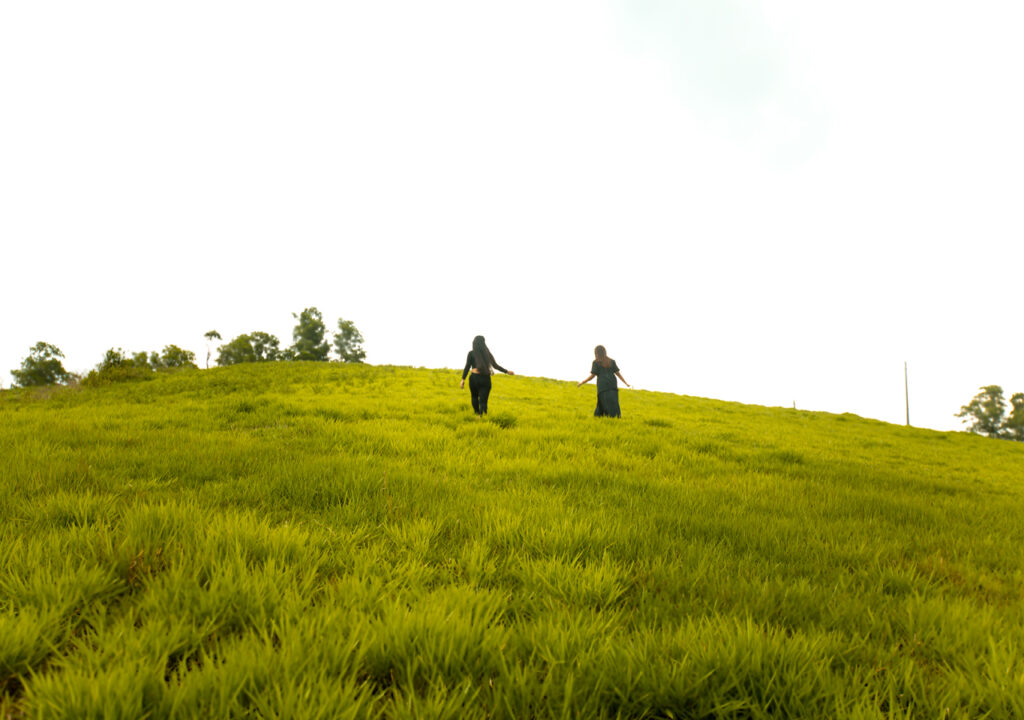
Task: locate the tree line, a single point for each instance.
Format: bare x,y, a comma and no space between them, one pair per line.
43,364
987,414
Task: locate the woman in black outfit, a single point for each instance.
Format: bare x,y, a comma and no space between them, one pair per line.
479,362
605,370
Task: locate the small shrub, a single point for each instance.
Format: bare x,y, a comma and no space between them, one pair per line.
117,374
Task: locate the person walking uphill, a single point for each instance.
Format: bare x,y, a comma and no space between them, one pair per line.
605,370
479,362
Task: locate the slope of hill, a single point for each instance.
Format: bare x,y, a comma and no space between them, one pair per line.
302,540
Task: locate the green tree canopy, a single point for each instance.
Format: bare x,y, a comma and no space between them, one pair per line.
249,347
265,346
144,360
985,413
118,366
41,367
113,358
1014,424
308,336
174,357
348,342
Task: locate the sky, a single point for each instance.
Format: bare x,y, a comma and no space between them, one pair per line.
775,203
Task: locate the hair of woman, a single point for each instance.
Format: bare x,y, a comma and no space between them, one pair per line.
601,355
482,356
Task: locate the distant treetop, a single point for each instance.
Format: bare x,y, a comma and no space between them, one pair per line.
41,367
348,342
986,414
308,336
256,346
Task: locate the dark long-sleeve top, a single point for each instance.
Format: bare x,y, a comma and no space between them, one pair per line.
471,365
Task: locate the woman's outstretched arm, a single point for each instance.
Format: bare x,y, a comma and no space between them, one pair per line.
623,380
590,377
499,367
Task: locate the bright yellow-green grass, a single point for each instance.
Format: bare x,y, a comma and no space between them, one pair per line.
299,540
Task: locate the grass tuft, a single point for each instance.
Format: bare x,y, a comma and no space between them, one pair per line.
503,420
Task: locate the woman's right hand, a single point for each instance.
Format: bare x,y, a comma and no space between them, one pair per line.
462,384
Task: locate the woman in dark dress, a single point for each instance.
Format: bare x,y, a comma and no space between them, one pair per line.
478,366
605,370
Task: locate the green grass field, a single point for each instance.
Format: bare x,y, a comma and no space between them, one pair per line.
299,540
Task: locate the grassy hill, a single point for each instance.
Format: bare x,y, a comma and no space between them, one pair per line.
302,540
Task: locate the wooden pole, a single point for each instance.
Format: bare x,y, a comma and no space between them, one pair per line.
906,391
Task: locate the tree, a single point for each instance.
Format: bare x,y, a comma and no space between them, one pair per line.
144,360
41,367
348,342
265,346
174,357
985,412
113,358
210,337
117,366
237,351
251,347
1014,424
308,336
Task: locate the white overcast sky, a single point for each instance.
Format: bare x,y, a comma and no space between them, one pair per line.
768,202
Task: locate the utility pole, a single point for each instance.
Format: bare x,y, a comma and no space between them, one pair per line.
906,391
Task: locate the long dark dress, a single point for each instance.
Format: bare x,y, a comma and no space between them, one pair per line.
607,390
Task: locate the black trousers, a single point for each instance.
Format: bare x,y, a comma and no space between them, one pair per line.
479,389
